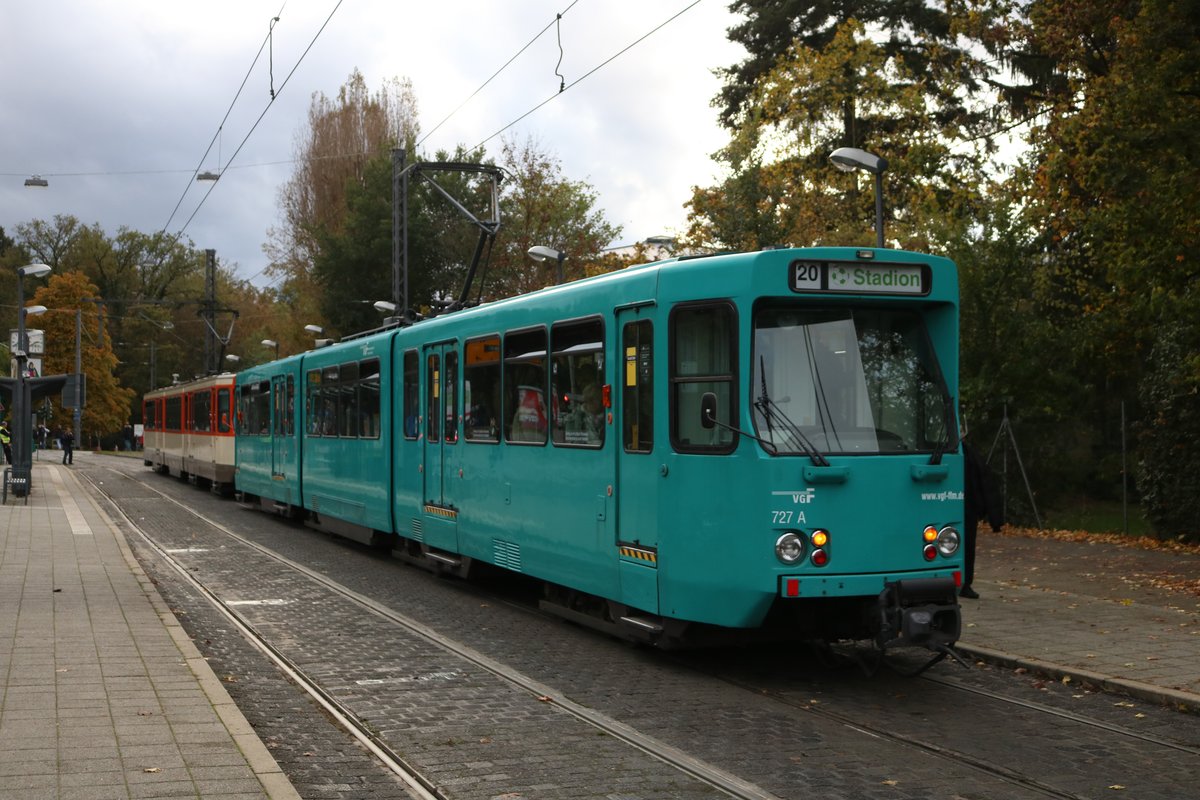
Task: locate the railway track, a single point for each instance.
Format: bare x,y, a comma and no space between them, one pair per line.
950,754
421,787
932,742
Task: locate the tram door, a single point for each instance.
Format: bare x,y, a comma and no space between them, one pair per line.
439,410
282,389
639,478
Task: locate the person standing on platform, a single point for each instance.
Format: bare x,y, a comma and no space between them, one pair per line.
980,503
6,442
68,446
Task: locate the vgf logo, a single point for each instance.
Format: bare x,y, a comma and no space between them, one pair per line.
805,497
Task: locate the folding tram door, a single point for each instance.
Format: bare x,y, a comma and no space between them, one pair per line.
440,441
639,475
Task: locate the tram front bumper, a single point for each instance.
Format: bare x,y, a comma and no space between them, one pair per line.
921,612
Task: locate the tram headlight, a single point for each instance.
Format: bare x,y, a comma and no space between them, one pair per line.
789,548
947,541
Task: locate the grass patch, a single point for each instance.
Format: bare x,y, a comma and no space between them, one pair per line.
1097,516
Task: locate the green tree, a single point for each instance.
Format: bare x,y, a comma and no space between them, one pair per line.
921,38
1169,468
1109,185
851,90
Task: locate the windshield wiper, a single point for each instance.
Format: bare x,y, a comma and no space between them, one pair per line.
945,445
770,410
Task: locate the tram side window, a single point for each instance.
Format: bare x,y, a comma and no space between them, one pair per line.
258,408
703,347
368,399
202,411
449,398
347,394
525,387
576,381
481,390
150,415
243,409
289,418
174,414
223,410
637,400
412,394
312,402
327,409
277,415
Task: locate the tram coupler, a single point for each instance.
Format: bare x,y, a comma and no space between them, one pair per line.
921,612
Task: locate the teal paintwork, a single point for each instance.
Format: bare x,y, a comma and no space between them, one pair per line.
699,529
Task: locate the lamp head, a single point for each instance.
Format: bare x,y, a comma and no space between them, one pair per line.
317,329
384,307
31,311
269,343
33,270
542,253
848,159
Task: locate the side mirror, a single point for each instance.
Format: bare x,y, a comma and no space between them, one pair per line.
708,410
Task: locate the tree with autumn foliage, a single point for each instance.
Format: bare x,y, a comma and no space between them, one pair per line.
1111,190
107,404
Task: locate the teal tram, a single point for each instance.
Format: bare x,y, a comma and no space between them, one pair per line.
697,449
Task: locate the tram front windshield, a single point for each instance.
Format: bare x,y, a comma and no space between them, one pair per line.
847,380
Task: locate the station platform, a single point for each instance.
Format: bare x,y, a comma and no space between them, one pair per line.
102,694
1091,611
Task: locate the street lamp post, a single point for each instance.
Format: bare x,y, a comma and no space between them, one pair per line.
77,412
848,159
22,429
271,343
542,253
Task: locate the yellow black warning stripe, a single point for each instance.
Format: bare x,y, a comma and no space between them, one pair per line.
639,554
439,511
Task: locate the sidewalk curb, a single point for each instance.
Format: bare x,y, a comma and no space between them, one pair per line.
1180,701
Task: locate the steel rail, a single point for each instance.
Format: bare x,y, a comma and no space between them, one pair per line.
417,785
1067,715
667,754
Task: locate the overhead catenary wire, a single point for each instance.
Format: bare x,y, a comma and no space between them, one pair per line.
496,74
221,126
593,70
259,120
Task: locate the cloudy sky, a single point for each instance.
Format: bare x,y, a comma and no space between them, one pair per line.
114,103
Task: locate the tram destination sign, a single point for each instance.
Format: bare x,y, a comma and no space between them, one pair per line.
856,278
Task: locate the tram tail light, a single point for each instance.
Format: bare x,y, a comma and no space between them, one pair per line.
930,552
820,543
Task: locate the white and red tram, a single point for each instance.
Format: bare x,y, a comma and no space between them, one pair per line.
189,430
